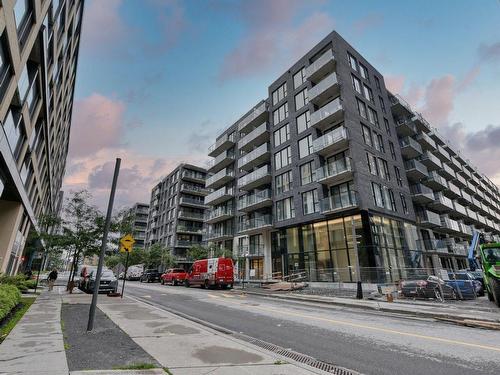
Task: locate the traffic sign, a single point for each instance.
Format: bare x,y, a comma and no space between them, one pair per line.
125,250
126,242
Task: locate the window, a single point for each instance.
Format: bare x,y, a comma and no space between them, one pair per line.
382,104
372,116
301,99
306,173
299,78
279,94
342,195
305,146
20,12
362,109
282,158
356,83
285,209
378,142
377,194
403,203
398,176
367,135
377,82
310,203
280,114
387,127
384,169
368,93
282,135
283,182
352,61
372,164
303,122
363,71
393,152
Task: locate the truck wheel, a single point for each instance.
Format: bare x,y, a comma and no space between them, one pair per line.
186,283
495,289
205,285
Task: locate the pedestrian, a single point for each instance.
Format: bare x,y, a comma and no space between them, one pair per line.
52,278
28,274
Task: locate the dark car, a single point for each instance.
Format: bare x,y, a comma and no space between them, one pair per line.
108,283
478,276
465,284
150,276
430,287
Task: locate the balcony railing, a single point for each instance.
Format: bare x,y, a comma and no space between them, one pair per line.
195,189
337,203
219,234
258,135
421,193
193,175
255,223
187,243
334,171
183,214
220,161
325,142
223,143
415,169
220,178
257,156
254,250
426,142
256,113
188,200
189,229
326,88
219,213
254,199
410,148
319,67
263,173
428,218
328,114
219,195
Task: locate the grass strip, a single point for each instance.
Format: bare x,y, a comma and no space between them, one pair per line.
9,325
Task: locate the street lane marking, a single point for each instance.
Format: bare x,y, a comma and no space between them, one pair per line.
147,296
357,325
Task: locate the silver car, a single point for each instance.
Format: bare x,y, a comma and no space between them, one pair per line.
108,283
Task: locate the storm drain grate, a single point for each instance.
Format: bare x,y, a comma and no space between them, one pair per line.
297,357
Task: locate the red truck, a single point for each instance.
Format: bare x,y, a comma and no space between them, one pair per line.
214,272
173,276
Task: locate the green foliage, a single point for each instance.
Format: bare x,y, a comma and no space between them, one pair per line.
16,316
9,298
135,366
158,255
19,281
202,252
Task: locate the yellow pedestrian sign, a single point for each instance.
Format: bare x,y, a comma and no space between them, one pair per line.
126,243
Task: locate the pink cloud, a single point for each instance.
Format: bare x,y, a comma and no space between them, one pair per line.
97,124
470,77
439,96
369,21
395,83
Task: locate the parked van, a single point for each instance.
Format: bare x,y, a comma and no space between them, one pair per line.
214,272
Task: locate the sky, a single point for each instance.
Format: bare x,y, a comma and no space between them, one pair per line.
158,80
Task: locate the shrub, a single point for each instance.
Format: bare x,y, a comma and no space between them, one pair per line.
30,284
19,281
9,298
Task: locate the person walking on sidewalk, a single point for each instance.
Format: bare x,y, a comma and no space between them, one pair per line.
52,278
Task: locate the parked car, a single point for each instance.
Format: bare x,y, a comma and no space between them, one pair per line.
150,276
135,272
108,282
430,287
465,285
478,276
213,272
174,276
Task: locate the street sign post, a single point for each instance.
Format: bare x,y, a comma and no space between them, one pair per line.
126,244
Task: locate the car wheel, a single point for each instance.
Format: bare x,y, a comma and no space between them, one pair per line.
162,281
186,283
454,295
437,295
175,282
205,285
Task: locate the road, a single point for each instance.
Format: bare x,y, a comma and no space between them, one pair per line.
369,342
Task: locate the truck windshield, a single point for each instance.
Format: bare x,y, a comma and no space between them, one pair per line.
492,255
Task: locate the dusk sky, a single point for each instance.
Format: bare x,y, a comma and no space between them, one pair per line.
157,80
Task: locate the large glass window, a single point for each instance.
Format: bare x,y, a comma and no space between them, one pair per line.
372,116
310,203
367,135
301,99
283,182
299,78
282,135
285,209
343,195
279,94
363,71
282,158
305,146
356,83
367,92
352,61
303,122
20,12
306,173
362,109
280,114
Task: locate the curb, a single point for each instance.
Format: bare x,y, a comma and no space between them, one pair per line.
367,307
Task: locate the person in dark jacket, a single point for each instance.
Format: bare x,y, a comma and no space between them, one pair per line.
52,278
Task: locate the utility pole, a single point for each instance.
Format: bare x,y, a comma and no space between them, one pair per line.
90,325
359,291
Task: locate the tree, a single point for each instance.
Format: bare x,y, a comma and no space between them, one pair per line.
196,252
158,256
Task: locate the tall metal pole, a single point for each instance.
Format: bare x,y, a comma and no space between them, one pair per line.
97,283
359,289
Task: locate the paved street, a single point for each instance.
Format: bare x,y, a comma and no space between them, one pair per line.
369,342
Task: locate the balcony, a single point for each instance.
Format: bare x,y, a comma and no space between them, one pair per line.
415,170
435,181
447,172
333,204
455,164
255,224
421,123
220,178
321,67
193,176
221,161
331,142
428,219
427,143
255,158
220,234
405,127
327,115
460,181
464,198
442,154
256,116
471,216
187,243
465,229
410,148
219,214
191,202
421,194
251,251
459,211
474,203
334,172
225,142
441,203
194,189
255,201
189,229
430,161
256,178
327,88
256,137
449,225
453,191
219,196
188,215
400,106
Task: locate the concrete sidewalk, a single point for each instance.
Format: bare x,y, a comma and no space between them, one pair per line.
465,310
35,346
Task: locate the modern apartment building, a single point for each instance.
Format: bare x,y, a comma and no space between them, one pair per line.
139,217
39,43
321,177
176,210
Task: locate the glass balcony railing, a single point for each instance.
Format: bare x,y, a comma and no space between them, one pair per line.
256,223
327,114
220,233
254,176
253,115
257,133
255,155
225,140
324,88
190,215
219,212
337,203
254,250
189,200
336,136
254,199
187,243
189,229
218,195
333,169
320,65
224,174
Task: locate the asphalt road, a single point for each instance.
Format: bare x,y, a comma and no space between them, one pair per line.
369,342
